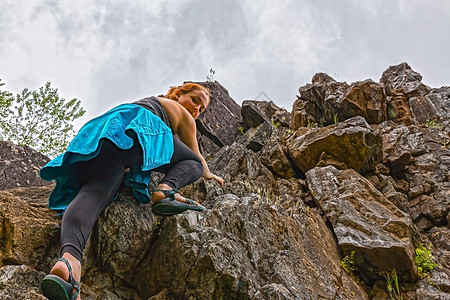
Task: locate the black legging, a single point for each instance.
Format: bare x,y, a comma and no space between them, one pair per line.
100,180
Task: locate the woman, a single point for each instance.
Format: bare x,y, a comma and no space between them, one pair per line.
124,145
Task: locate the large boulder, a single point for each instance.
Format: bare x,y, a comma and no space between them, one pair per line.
20,165
255,112
29,230
363,98
317,101
245,248
402,78
218,125
364,221
351,142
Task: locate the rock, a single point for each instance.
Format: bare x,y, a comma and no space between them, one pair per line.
408,98
351,142
439,100
20,165
255,138
220,121
20,282
401,78
113,246
398,108
363,98
255,112
300,116
317,102
244,249
418,152
436,287
30,233
236,162
273,157
400,143
364,221
394,194
252,115
264,141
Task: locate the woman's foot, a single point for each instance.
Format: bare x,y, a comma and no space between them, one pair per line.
156,195
61,270
168,202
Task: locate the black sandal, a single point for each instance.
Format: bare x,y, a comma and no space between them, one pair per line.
169,206
55,288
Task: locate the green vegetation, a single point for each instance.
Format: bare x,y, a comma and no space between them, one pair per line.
311,124
335,118
39,119
393,288
432,123
348,264
241,129
424,260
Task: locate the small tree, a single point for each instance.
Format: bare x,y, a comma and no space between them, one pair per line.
39,119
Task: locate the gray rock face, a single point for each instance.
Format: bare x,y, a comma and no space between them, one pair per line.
364,221
255,138
20,282
236,162
218,125
404,79
419,153
19,166
351,142
256,112
237,250
29,230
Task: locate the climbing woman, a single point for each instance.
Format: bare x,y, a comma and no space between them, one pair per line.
124,145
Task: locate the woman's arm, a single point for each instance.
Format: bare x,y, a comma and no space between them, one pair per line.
187,132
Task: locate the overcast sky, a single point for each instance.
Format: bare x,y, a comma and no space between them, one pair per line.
110,52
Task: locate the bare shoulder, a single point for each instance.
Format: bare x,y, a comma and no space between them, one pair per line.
178,115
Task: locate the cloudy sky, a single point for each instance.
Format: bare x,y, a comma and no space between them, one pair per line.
109,52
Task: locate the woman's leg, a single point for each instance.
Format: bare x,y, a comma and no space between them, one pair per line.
184,168
100,178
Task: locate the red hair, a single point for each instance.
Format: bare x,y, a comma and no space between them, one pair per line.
177,91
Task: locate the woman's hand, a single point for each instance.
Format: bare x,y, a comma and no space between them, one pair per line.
210,175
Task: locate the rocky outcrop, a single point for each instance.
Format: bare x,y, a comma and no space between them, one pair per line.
357,172
218,125
27,229
255,112
351,143
20,165
366,222
399,96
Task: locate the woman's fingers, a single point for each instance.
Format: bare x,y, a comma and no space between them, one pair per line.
219,180
216,178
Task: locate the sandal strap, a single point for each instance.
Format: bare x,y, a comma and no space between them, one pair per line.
168,193
76,285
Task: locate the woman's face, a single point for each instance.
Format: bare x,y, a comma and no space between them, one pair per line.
195,102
